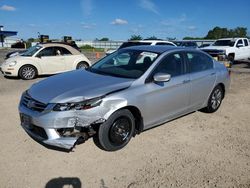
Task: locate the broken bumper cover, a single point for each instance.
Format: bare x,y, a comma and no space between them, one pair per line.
60,142
44,126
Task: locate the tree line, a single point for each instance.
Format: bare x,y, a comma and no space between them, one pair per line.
215,33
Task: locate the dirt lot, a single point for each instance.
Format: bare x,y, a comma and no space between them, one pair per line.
198,150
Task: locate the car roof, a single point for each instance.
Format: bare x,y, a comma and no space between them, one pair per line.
162,49
150,41
155,49
68,47
232,39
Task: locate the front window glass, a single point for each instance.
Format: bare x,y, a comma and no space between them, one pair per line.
31,51
239,42
172,64
49,51
125,63
224,43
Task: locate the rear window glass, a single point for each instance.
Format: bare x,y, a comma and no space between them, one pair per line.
128,44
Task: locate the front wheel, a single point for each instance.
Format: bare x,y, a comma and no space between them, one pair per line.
116,132
27,72
82,65
214,100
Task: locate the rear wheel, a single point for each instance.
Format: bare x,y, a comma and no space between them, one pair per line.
215,100
116,132
27,72
82,65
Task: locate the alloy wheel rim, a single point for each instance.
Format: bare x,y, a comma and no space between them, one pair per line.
28,72
120,131
82,66
216,98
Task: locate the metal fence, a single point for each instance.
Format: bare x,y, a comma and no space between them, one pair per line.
103,44
100,44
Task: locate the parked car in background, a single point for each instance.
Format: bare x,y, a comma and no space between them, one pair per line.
126,92
204,45
143,42
228,50
189,44
46,58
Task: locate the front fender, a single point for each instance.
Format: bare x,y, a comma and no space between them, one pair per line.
113,105
29,62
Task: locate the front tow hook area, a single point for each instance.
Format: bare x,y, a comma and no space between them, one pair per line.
65,143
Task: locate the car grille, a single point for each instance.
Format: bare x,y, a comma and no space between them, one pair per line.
214,53
32,104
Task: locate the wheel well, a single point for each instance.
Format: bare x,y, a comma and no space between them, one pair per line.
231,54
84,62
28,65
138,118
223,88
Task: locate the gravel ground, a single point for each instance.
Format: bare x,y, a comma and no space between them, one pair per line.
197,150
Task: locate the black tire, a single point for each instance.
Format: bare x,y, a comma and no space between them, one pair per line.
214,100
231,59
116,132
27,72
82,65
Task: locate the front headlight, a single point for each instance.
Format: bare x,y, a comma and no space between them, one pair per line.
12,64
84,105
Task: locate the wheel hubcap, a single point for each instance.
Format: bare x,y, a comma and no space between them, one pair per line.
28,72
82,66
120,131
216,98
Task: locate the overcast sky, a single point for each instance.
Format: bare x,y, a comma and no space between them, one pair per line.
118,20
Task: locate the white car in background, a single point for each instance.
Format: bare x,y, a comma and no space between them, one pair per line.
44,59
142,42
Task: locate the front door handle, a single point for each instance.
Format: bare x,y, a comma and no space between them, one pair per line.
213,73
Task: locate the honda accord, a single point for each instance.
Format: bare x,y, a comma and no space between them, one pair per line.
121,95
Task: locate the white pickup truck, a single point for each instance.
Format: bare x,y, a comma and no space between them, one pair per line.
229,50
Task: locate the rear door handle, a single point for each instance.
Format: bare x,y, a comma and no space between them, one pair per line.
213,73
186,81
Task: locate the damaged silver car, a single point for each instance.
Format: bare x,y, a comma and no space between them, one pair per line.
129,91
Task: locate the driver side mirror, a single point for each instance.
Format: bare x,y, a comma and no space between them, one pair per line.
239,45
162,77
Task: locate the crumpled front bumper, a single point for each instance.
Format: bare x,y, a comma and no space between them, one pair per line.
44,126
53,140
51,127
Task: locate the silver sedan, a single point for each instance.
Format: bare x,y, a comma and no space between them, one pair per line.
123,94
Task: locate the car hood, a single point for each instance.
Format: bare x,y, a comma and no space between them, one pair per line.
16,58
76,86
215,48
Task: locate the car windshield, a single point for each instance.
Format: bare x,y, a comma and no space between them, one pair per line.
224,43
31,51
125,63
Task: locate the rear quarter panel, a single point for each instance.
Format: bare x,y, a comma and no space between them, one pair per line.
223,75
77,59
